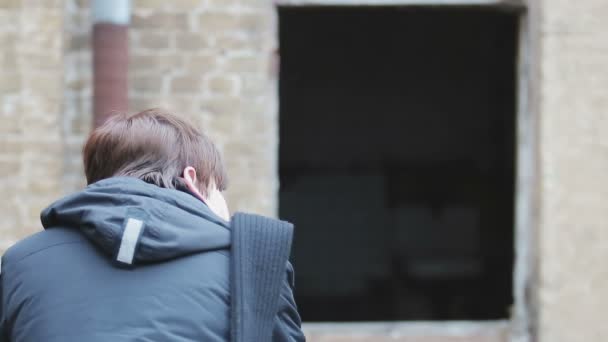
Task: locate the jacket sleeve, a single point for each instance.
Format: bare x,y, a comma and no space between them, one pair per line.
288,325
3,337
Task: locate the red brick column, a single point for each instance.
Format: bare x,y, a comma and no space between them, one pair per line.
110,63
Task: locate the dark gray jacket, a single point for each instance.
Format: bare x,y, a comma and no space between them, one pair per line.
124,260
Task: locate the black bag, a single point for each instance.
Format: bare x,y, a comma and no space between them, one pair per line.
260,251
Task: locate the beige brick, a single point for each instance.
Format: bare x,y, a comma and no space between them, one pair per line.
170,5
9,124
139,103
10,168
222,105
200,64
183,106
147,83
48,4
10,147
41,186
81,124
244,64
186,4
44,83
254,22
221,4
33,127
42,42
7,39
261,168
191,41
79,83
149,4
232,43
79,22
44,22
153,63
160,21
39,61
221,84
254,85
214,22
186,84
8,20
10,82
240,148
153,40
9,205
144,63
46,146
79,42
8,60
10,4
82,3
223,124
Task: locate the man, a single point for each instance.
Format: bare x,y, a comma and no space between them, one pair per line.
146,251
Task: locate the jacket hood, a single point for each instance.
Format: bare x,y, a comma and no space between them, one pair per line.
134,222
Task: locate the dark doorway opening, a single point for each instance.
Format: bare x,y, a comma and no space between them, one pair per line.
396,160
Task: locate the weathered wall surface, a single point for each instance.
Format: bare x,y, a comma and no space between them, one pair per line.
574,165
211,61
31,92
207,61
77,115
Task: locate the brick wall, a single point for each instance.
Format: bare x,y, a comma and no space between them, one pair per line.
77,115
211,62
207,61
31,84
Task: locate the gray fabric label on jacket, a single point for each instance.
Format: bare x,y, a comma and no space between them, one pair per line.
130,237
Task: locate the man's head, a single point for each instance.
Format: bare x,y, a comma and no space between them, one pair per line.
156,147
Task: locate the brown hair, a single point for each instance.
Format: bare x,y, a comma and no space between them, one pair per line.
154,146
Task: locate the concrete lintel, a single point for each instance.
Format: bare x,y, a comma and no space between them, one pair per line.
492,330
499,3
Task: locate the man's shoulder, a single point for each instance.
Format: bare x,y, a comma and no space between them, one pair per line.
39,242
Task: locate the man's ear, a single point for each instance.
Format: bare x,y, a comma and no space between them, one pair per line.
214,200
192,182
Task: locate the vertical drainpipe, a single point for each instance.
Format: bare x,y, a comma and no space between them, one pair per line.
110,57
